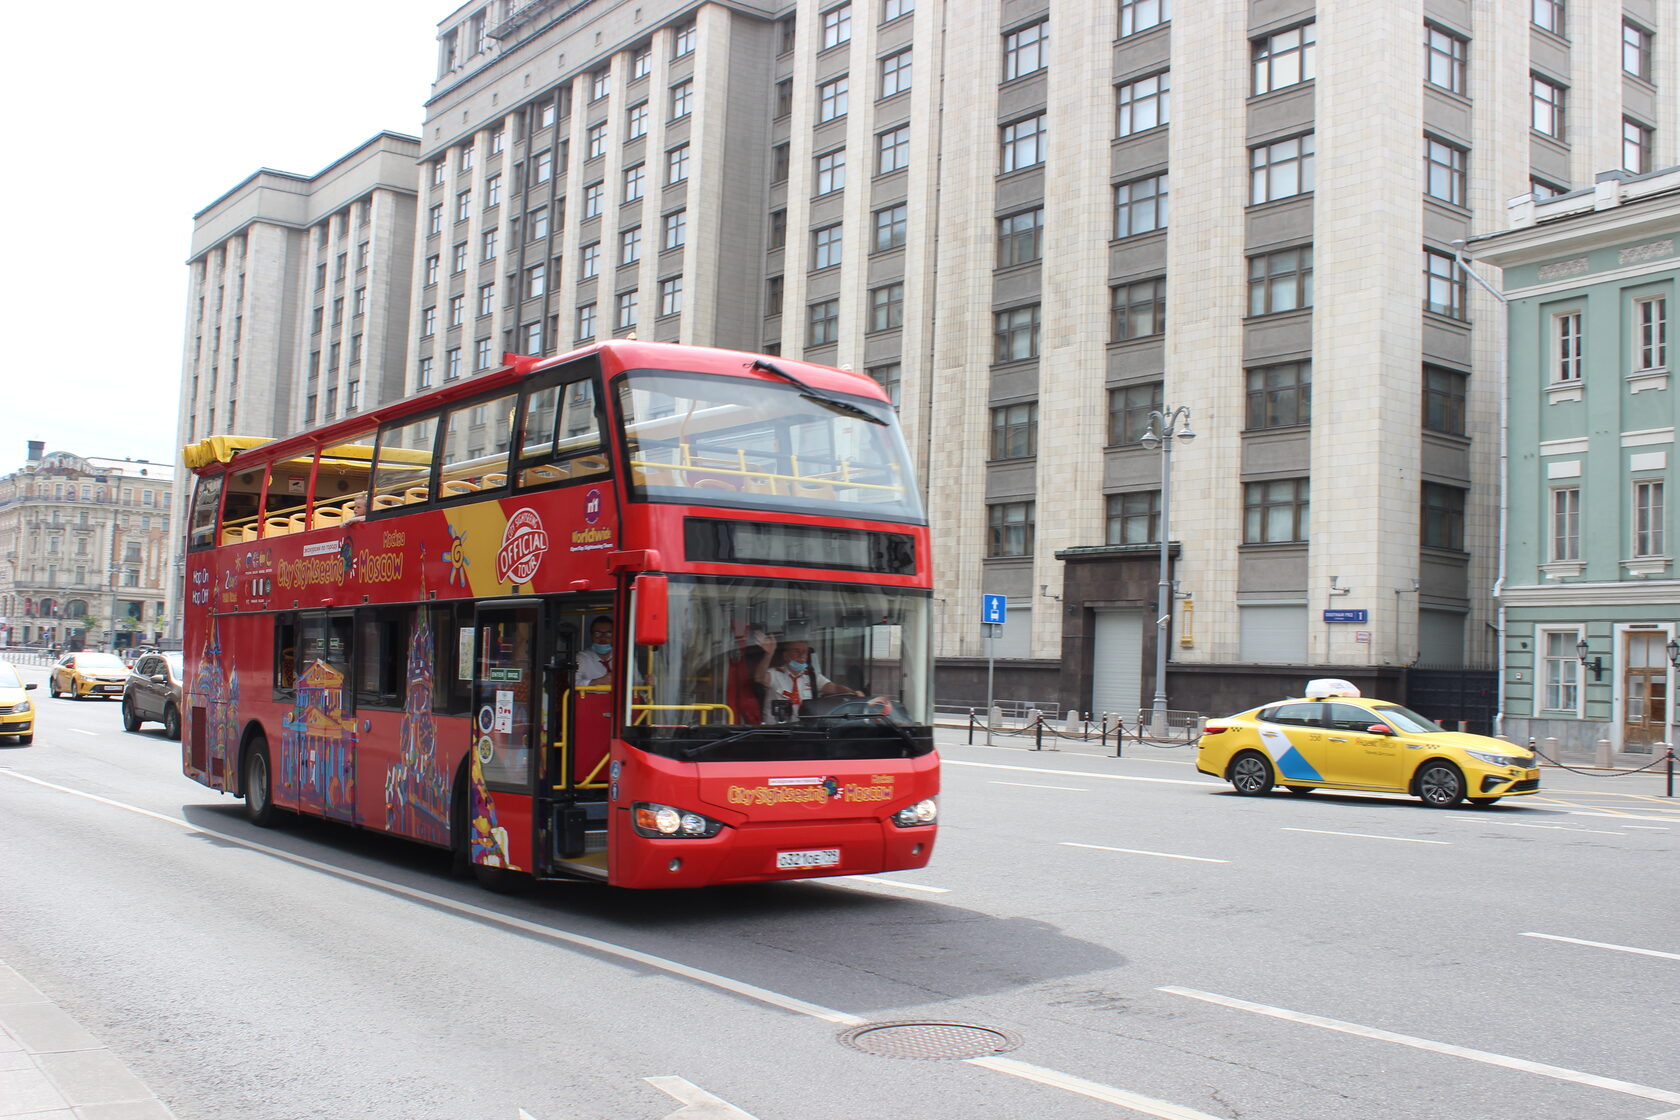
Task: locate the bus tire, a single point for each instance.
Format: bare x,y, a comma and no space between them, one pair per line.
501,880
258,784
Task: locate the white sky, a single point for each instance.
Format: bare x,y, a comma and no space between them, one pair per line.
126,120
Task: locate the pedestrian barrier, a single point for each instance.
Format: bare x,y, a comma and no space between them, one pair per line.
1664,759
1170,729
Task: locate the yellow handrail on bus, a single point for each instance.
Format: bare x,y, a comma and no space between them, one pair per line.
809,480
647,710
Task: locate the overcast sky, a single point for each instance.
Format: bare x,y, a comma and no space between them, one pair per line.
128,119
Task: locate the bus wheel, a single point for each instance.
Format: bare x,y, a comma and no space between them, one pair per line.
259,793
500,880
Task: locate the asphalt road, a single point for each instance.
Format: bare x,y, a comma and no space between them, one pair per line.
1154,944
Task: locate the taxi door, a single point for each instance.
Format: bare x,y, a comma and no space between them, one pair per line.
1353,755
1294,736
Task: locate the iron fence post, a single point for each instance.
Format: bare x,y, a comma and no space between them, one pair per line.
1038,733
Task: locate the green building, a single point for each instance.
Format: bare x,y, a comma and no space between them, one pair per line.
1589,599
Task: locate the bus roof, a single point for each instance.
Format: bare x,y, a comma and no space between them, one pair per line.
617,353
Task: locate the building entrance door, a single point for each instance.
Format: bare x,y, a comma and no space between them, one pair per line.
1645,684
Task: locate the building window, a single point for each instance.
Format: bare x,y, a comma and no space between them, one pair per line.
463,206
543,163
589,261
440,168
488,243
486,299
683,39
895,73
457,310
458,257
492,191
1444,392
432,263
1141,15
1144,104
836,26
1566,346
773,289
676,164
629,309
546,114
1562,671
1281,170
1129,407
1275,512
1009,529
1566,524
482,355
1548,15
822,322
592,195
1015,334
1279,396
1024,143
1443,284
424,377
1026,50
536,225
831,98
831,171
634,176
1636,146
825,246
428,322
452,363
1281,281
1020,237
1015,431
586,322
536,281
1650,325
1444,172
1445,55
434,225
778,229
629,245
1137,310
784,99
595,141
674,231
682,97
1284,58
636,121
641,63
891,225
789,27
1139,207
1548,102
1648,518
888,377
886,307
670,296
1133,518
892,150
1443,517
892,9
533,338
1636,50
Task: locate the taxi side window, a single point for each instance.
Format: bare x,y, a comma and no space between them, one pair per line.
1346,717
1299,715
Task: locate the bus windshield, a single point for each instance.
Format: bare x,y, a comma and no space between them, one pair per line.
759,670
697,438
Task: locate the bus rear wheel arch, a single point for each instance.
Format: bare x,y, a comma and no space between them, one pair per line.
256,780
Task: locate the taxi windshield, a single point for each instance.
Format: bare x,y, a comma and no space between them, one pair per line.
729,441
8,676
97,662
759,669
1404,719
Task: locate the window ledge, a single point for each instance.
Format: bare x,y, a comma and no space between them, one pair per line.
1563,569
1643,566
1561,391
1642,379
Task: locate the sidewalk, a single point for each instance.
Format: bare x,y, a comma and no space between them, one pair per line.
52,1069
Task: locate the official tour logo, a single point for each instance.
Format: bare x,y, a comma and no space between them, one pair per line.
523,544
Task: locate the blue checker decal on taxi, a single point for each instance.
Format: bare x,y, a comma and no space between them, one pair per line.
1292,764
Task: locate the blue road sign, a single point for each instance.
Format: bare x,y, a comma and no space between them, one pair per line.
1347,616
993,609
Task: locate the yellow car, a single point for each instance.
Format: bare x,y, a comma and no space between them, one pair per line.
17,711
88,673
1333,738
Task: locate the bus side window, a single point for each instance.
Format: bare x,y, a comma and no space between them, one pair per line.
562,435
207,500
285,656
452,658
402,471
240,506
341,481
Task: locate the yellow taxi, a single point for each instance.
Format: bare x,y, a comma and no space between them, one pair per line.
17,710
88,673
1334,738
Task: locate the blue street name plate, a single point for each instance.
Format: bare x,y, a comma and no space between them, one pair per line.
1347,616
993,609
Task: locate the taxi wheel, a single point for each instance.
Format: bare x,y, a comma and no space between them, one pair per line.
1251,774
131,718
1439,785
25,740
52,687
1484,802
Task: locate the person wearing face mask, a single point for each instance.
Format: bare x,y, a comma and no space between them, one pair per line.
789,679
594,664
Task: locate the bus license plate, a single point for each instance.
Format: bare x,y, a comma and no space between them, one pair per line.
824,857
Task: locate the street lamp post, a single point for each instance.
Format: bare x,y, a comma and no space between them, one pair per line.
1165,425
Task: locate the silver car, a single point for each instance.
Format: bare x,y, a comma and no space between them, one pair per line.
153,693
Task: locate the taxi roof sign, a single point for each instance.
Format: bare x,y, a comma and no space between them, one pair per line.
1326,687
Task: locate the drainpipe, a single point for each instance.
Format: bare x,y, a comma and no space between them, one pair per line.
1501,342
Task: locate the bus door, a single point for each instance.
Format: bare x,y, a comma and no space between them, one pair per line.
505,688
578,710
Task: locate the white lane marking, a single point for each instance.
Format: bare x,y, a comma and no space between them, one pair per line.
1522,1065
1370,836
697,1103
1034,785
80,731
1140,852
1149,1106
523,1115
1616,816
890,883
1649,827
1606,945
1553,827
1077,773
711,979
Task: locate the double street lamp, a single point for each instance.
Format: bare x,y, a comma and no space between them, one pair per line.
1165,426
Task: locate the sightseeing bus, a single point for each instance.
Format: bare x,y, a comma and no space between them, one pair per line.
650,614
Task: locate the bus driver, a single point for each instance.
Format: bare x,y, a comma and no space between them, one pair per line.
789,679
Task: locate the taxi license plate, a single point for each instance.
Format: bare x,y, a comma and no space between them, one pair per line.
824,857
110,688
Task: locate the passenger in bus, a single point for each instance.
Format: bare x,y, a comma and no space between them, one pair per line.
594,664
790,679
357,510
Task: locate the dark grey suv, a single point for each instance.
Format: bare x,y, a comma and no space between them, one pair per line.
153,692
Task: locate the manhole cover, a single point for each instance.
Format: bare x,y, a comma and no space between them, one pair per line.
923,1038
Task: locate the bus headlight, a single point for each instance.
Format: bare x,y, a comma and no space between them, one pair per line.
922,812
669,822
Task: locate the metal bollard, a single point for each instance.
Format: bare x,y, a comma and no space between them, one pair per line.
971,727
1038,733
1601,750
1670,747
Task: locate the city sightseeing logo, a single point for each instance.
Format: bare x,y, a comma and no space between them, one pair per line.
524,543
592,507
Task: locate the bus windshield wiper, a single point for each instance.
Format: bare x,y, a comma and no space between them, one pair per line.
812,393
699,749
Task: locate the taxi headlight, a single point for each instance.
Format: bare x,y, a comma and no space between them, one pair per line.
23,708
667,822
1495,759
922,812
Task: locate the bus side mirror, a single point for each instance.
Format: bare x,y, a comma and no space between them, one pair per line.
652,602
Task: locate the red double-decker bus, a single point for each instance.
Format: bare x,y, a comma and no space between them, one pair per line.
651,614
